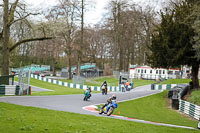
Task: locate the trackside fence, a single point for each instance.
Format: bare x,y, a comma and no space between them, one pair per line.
77,86
190,109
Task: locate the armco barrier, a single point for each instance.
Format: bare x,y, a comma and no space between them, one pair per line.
9,89
185,107
77,86
190,109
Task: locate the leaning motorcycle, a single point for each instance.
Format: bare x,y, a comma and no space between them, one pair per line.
109,109
86,95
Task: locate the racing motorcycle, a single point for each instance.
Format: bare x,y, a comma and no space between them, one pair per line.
86,95
109,109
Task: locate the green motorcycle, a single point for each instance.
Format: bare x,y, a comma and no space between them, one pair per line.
86,95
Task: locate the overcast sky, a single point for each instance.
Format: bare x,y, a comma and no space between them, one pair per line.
95,14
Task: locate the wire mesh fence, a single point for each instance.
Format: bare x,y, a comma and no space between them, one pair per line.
24,81
78,80
117,74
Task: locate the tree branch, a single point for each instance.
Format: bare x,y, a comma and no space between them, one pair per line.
28,40
24,17
12,11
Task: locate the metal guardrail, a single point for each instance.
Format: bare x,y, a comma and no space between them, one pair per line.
190,109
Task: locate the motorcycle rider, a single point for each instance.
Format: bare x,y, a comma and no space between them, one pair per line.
90,91
114,97
104,89
87,92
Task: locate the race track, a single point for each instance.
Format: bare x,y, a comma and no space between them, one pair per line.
75,103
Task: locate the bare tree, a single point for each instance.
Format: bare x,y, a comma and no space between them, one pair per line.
130,27
9,18
117,7
66,14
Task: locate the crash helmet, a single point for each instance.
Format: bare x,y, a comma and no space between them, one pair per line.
114,96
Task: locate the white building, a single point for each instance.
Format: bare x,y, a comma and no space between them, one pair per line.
146,72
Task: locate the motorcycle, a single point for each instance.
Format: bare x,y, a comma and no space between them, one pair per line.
109,109
104,90
86,95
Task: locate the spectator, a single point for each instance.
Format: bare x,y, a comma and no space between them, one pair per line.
127,84
123,87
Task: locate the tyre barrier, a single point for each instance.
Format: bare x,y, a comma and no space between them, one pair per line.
162,87
9,90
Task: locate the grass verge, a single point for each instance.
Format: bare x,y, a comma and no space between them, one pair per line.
110,81
57,89
153,108
85,83
176,81
15,119
195,97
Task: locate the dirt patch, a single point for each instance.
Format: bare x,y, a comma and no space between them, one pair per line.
187,96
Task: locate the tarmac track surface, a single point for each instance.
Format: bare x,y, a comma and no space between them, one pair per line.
75,103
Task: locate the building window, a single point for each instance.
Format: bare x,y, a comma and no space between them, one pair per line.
150,71
138,70
145,71
170,72
142,71
159,71
163,71
156,71
176,72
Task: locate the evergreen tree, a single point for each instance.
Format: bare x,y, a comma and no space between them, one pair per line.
172,40
196,27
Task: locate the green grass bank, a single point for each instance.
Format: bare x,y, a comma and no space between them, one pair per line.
19,119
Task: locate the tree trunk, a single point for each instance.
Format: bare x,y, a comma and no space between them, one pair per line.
82,32
79,66
133,54
128,60
69,66
114,62
121,59
195,71
53,67
6,37
101,62
132,58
